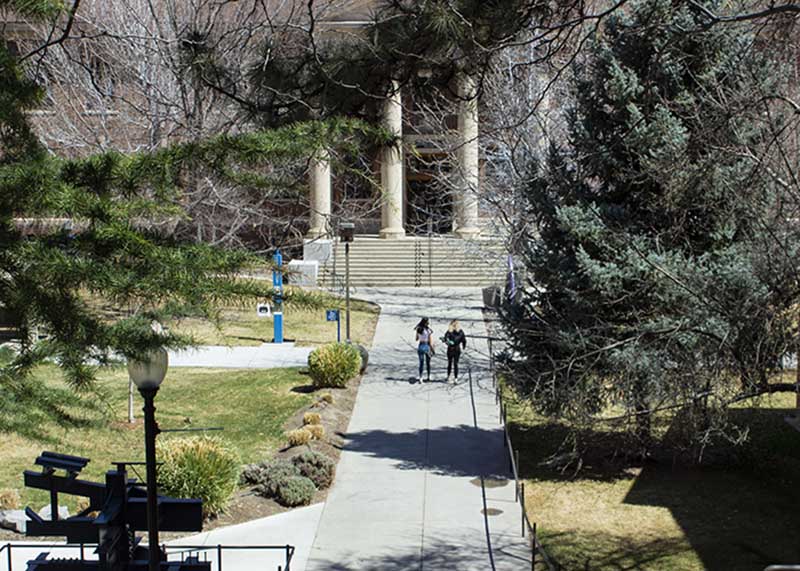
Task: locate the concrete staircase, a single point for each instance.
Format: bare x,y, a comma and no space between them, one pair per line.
417,262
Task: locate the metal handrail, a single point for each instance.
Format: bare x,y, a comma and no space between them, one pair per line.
519,487
173,550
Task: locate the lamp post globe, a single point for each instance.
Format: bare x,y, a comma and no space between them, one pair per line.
148,375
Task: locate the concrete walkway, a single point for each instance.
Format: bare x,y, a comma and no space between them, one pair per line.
296,528
266,356
423,479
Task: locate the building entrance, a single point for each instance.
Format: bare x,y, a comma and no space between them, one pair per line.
429,204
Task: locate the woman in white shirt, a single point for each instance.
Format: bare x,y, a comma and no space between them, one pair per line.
424,340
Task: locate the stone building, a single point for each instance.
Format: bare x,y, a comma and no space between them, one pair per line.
407,204
428,184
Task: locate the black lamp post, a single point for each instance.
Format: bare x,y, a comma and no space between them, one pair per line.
147,376
346,232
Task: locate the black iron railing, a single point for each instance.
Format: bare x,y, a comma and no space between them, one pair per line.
207,553
538,553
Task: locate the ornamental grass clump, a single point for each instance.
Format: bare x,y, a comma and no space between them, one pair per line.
316,467
296,491
333,365
9,499
312,418
317,431
203,468
298,437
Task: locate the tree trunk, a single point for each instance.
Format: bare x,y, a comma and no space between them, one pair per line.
643,421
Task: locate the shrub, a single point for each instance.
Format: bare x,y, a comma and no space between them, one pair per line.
327,397
312,418
333,365
296,491
316,467
317,431
9,499
203,468
273,474
298,437
252,474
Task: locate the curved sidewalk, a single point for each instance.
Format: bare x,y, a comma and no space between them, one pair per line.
265,356
423,481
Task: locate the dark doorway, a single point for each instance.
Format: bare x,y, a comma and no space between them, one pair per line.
429,205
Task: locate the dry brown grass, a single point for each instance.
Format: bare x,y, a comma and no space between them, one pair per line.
317,431
9,499
298,437
661,515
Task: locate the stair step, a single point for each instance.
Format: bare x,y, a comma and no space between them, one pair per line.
417,262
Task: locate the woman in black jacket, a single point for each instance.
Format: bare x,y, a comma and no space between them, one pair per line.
455,341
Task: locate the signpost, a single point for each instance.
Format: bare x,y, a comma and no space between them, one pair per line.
277,284
333,315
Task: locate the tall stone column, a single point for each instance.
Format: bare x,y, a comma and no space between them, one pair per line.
392,168
320,196
466,199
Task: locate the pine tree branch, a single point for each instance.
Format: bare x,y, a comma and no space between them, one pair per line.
64,35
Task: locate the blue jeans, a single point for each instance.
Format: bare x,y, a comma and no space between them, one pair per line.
424,353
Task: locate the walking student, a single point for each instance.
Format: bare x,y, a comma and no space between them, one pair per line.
455,341
424,340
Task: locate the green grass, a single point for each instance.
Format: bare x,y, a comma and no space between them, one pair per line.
250,405
306,326
739,512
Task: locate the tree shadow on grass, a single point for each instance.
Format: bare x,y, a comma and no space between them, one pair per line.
739,513
30,409
545,455
736,512
607,551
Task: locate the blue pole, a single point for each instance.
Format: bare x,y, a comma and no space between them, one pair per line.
338,327
277,284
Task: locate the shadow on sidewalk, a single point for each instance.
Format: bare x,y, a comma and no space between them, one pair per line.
451,552
460,450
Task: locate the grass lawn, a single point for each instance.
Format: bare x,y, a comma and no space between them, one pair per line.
304,326
738,513
251,406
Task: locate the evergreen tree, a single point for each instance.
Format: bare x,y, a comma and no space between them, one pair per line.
96,235
663,265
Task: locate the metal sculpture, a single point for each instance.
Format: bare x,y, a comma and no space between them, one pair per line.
116,511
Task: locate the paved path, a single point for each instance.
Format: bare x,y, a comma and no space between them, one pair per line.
296,528
266,356
408,493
